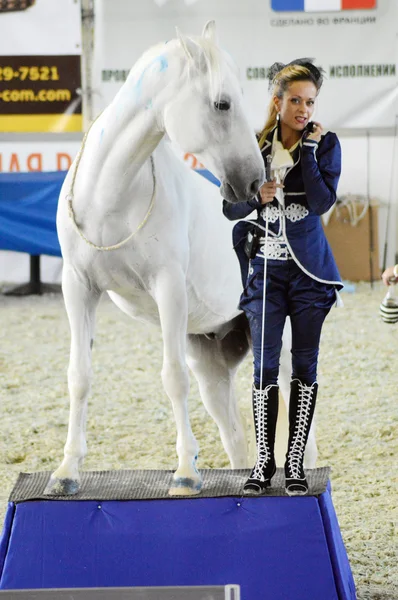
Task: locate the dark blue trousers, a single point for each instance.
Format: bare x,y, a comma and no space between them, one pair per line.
289,292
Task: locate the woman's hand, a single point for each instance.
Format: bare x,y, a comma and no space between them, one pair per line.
388,276
316,133
268,191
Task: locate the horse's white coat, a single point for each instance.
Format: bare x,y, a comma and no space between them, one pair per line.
179,270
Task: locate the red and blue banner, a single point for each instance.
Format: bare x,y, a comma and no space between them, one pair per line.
321,5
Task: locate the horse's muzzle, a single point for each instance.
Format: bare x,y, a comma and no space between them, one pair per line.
235,193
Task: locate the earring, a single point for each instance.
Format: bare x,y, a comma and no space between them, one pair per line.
278,116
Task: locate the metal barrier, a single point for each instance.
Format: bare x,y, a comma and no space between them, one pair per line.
217,592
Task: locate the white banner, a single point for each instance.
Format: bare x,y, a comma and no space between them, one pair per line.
357,48
40,70
44,27
36,156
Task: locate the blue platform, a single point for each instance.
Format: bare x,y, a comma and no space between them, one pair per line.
274,547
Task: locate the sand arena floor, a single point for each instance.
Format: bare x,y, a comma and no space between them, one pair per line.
131,426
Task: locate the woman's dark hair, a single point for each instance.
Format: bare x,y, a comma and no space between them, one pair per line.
278,73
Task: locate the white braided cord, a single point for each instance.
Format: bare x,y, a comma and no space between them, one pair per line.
264,297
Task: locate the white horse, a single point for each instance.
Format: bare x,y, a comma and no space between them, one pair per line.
135,221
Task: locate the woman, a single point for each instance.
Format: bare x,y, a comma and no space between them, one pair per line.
293,257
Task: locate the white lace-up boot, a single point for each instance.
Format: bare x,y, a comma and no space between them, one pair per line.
265,410
301,411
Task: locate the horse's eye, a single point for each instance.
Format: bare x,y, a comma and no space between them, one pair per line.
223,105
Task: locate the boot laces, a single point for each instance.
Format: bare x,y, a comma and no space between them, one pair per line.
296,452
261,416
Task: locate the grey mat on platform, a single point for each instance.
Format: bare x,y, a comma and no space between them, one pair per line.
154,485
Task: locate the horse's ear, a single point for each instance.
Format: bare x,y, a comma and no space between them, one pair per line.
186,43
209,31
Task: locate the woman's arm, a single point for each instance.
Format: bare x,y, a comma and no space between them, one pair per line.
321,168
240,210
390,275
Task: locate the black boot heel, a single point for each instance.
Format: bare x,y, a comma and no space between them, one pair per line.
296,487
257,487
301,412
265,410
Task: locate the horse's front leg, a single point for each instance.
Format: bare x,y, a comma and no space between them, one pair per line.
81,303
171,298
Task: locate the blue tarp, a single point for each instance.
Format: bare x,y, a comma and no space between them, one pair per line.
275,548
28,207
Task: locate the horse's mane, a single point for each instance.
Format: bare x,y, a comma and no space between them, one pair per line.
213,59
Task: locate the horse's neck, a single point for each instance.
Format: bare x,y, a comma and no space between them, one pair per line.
126,133
119,148
128,146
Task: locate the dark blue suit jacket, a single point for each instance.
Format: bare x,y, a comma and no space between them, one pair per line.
310,190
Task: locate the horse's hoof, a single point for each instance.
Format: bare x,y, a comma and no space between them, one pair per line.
185,486
61,487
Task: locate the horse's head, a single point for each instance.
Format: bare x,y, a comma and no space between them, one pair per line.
205,116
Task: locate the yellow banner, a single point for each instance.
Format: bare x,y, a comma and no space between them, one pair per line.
40,123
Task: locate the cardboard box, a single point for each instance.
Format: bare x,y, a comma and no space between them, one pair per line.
351,241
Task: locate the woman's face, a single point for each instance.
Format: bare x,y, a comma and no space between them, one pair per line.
297,104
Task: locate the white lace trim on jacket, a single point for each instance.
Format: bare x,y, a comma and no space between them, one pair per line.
294,212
